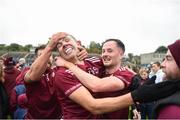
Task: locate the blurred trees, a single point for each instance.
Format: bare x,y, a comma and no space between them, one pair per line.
134,59
94,48
161,49
15,47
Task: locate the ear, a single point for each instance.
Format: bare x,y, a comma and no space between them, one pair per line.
78,42
121,52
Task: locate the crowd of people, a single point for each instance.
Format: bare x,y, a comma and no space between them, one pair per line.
74,86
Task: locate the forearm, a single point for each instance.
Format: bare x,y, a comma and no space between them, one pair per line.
39,66
105,105
100,105
153,92
88,80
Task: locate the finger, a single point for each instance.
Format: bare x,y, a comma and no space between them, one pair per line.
61,35
58,36
81,53
80,48
135,116
82,56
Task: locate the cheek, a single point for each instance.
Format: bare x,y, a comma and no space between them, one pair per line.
169,70
174,69
60,50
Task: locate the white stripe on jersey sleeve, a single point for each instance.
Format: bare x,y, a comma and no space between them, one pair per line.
93,59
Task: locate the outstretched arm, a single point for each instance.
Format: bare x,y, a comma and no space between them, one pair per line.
99,106
90,81
147,93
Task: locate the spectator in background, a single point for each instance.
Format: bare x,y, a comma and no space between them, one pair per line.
10,74
21,64
146,109
18,99
3,96
156,70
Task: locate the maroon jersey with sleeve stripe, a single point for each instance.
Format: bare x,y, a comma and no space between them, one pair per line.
126,76
42,99
66,83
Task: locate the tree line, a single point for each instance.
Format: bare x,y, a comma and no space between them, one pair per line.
15,47
92,48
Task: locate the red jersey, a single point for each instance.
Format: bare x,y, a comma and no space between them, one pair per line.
10,76
126,76
66,83
42,99
169,112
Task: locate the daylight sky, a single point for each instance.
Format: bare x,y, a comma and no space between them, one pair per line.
142,25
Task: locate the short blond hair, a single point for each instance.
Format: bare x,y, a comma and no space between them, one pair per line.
143,70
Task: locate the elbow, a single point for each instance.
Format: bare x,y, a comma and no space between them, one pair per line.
96,112
95,88
30,76
94,109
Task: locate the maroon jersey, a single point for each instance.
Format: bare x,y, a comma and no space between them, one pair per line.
66,83
42,99
10,79
125,75
169,112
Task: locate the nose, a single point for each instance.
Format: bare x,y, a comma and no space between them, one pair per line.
163,64
104,54
62,44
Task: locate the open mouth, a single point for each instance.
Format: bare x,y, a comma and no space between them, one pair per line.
106,59
68,49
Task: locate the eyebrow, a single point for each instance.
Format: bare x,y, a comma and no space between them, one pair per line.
168,57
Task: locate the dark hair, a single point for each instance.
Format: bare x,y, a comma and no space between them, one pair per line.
119,43
39,48
157,63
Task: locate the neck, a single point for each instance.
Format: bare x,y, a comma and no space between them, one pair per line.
76,61
112,69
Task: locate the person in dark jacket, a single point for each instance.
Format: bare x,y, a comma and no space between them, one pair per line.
146,109
169,108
